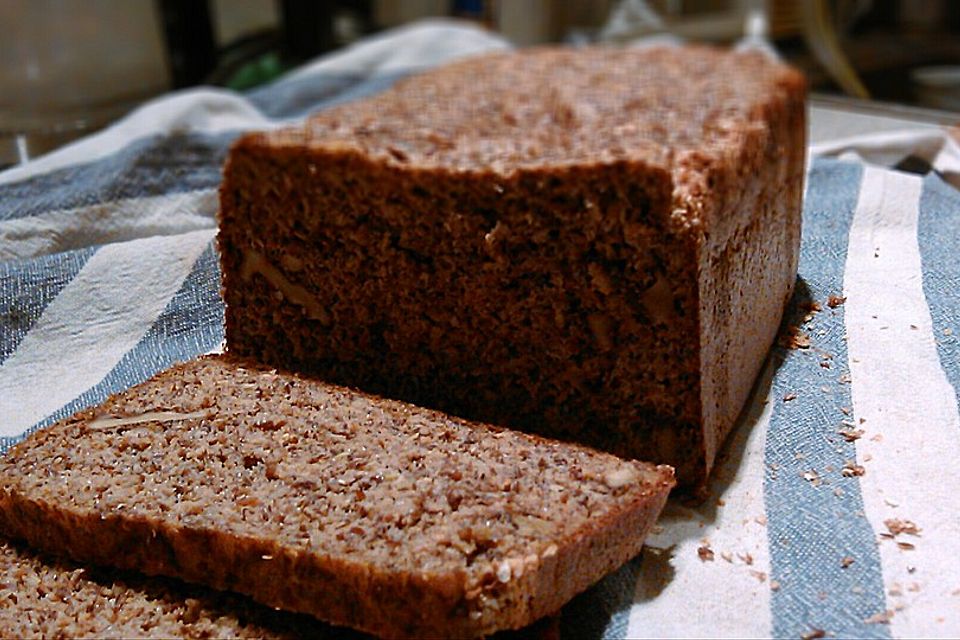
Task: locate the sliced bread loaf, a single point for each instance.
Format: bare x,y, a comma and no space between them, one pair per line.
594,244
361,511
48,598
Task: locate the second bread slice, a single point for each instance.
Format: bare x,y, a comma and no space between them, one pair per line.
361,511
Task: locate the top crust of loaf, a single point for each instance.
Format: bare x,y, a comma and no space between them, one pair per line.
550,107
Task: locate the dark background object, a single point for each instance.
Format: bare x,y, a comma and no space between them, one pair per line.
191,48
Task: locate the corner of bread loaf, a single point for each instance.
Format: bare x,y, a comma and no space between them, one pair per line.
749,257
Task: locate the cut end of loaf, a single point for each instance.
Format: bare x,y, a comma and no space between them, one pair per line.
568,242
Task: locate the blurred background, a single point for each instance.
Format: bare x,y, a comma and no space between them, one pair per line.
70,67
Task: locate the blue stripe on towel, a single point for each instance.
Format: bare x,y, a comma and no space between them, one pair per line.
152,166
190,325
814,521
938,233
28,286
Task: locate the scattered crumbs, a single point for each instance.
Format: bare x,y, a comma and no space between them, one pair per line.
800,455
656,529
913,587
896,526
825,364
721,502
899,606
811,308
821,595
948,331
775,586
746,557
914,327
845,379
813,634
846,410
812,477
761,520
789,396
867,457
862,420
795,339
895,590
835,301
850,435
851,470
726,555
906,546
876,438
891,503
825,389
705,552
955,592
883,617
857,589
846,561
910,570
838,492
939,619
759,575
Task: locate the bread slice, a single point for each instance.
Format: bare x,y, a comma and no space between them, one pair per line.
361,511
593,244
52,598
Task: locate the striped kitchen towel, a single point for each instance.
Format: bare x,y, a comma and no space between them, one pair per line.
834,507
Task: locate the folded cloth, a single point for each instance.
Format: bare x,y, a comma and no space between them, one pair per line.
833,507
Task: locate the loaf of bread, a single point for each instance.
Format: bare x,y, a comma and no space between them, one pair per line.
360,511
51,598
594,244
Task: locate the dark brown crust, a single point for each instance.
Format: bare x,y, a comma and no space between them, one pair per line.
342,589
571,246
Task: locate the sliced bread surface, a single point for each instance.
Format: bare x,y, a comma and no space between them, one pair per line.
361,511
52,598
